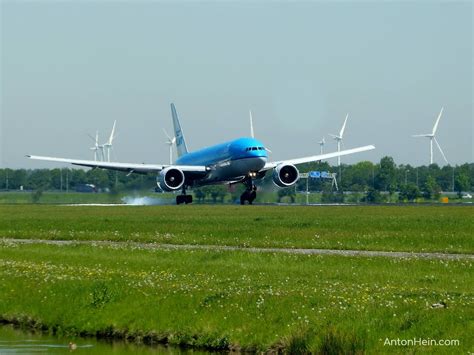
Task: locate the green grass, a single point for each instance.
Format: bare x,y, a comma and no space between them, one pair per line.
58,198
388,228
264,197
238,299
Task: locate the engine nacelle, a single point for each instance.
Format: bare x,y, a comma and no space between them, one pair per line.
285,175
170,179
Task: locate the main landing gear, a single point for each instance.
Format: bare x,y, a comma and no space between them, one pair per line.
183,198
250,193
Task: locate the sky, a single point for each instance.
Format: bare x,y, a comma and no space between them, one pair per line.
71,68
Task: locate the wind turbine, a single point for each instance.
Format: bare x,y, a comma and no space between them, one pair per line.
170,143
322,142
338,139
432,137
96,146
108,145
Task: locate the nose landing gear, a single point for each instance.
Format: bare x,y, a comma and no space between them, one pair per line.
250,193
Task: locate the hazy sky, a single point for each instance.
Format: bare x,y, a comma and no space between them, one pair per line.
68,69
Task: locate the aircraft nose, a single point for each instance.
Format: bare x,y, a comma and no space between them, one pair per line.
260,163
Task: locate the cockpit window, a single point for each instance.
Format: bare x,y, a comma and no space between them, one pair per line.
254,148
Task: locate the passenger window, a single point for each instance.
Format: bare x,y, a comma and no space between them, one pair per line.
254,148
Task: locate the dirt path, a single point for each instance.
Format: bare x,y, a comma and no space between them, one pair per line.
366,253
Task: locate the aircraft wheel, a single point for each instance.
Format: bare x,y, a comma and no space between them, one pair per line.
244,197
252,197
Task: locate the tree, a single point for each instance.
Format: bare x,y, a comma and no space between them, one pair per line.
373,196
358,177
199,194
36,195
409,192
386,177
39,179
462,183
431,190
329,195
99,178
287,192
218,192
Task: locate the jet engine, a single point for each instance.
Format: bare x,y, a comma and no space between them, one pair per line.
285,175
170,179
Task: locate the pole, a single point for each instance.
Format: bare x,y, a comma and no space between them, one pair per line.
6,177
340,175
61,179
307,190
453,180
67,180
373,176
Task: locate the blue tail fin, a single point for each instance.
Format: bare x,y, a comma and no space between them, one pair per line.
178,133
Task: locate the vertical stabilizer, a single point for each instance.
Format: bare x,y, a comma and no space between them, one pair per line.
178,133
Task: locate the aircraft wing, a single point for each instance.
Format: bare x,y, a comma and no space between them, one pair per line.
127,167
313,158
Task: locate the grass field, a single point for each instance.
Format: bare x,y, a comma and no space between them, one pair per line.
237,299
395,228
264,197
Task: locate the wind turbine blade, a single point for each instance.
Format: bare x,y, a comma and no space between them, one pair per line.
111,138
421,135
166,134
343,127
93,139
441,150
251,125
334,136
437,121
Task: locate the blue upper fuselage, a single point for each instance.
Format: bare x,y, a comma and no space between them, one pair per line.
237,149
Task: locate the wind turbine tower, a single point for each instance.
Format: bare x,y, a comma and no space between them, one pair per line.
322,142
432,137
338,138
170,143
108,145
96,146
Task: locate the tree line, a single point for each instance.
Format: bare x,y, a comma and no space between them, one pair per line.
374,182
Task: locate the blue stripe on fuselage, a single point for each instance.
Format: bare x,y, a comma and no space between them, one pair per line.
232,150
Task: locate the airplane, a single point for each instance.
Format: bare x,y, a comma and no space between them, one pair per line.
242,160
